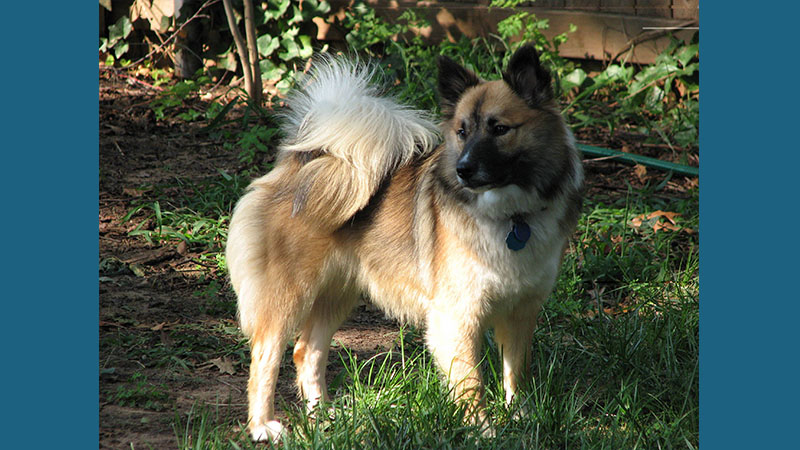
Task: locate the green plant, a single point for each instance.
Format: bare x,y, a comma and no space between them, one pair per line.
140,393
116,41
669,89
523,27
661,99
408,61
175,96
284,41
252,141
198,216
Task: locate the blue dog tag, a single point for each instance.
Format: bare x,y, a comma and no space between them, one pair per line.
518,236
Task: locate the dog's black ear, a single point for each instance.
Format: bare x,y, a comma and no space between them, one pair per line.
453,81
527,78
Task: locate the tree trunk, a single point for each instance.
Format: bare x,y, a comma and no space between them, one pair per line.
189,45
252,45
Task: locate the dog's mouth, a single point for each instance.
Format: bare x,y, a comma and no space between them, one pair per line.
479,187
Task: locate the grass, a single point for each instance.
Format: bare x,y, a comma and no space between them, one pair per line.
630,382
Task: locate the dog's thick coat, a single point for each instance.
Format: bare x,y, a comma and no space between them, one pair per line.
361,200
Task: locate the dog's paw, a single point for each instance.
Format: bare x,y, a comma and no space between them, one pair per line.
488,432
271,431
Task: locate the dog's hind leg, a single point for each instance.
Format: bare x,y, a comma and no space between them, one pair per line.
265,360
513,333
267,345
313,344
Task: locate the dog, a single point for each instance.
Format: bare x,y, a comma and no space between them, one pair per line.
456,237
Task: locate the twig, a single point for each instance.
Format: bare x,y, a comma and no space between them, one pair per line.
586,161
621,189
228,384
143,83
648,36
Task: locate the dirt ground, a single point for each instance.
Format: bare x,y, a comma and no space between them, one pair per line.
155,320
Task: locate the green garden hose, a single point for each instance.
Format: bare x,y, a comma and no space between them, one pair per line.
646,161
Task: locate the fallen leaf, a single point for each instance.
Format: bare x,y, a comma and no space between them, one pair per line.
665,214
636,222
133,192
224,364
640,171
137,270
659,225
115,129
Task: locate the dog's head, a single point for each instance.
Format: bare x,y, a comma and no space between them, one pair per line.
504,133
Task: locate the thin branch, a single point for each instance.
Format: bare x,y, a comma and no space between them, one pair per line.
240,47
648,36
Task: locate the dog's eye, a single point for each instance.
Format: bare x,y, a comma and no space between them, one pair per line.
461,133
500,130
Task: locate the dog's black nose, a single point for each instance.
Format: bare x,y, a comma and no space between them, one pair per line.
465,170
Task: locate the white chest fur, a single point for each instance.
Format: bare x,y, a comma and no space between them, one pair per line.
532,270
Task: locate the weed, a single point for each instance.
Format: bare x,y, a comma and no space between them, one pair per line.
253,141
214,302
176,95
139,393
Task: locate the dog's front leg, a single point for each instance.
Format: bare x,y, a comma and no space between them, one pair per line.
513,332
455,342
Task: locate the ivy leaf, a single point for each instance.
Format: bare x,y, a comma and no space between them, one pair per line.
306,49
314,8
267,44
573,79
119,30
271,71
276,10
120,49
297,16
292,49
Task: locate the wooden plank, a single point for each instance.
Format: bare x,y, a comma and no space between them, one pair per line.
618,7
582,5
654,8
685,9
546,4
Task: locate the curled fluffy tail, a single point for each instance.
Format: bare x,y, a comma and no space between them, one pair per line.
352,138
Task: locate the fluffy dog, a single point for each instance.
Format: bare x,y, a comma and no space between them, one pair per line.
455,238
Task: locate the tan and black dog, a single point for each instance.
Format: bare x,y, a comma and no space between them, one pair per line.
455,238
